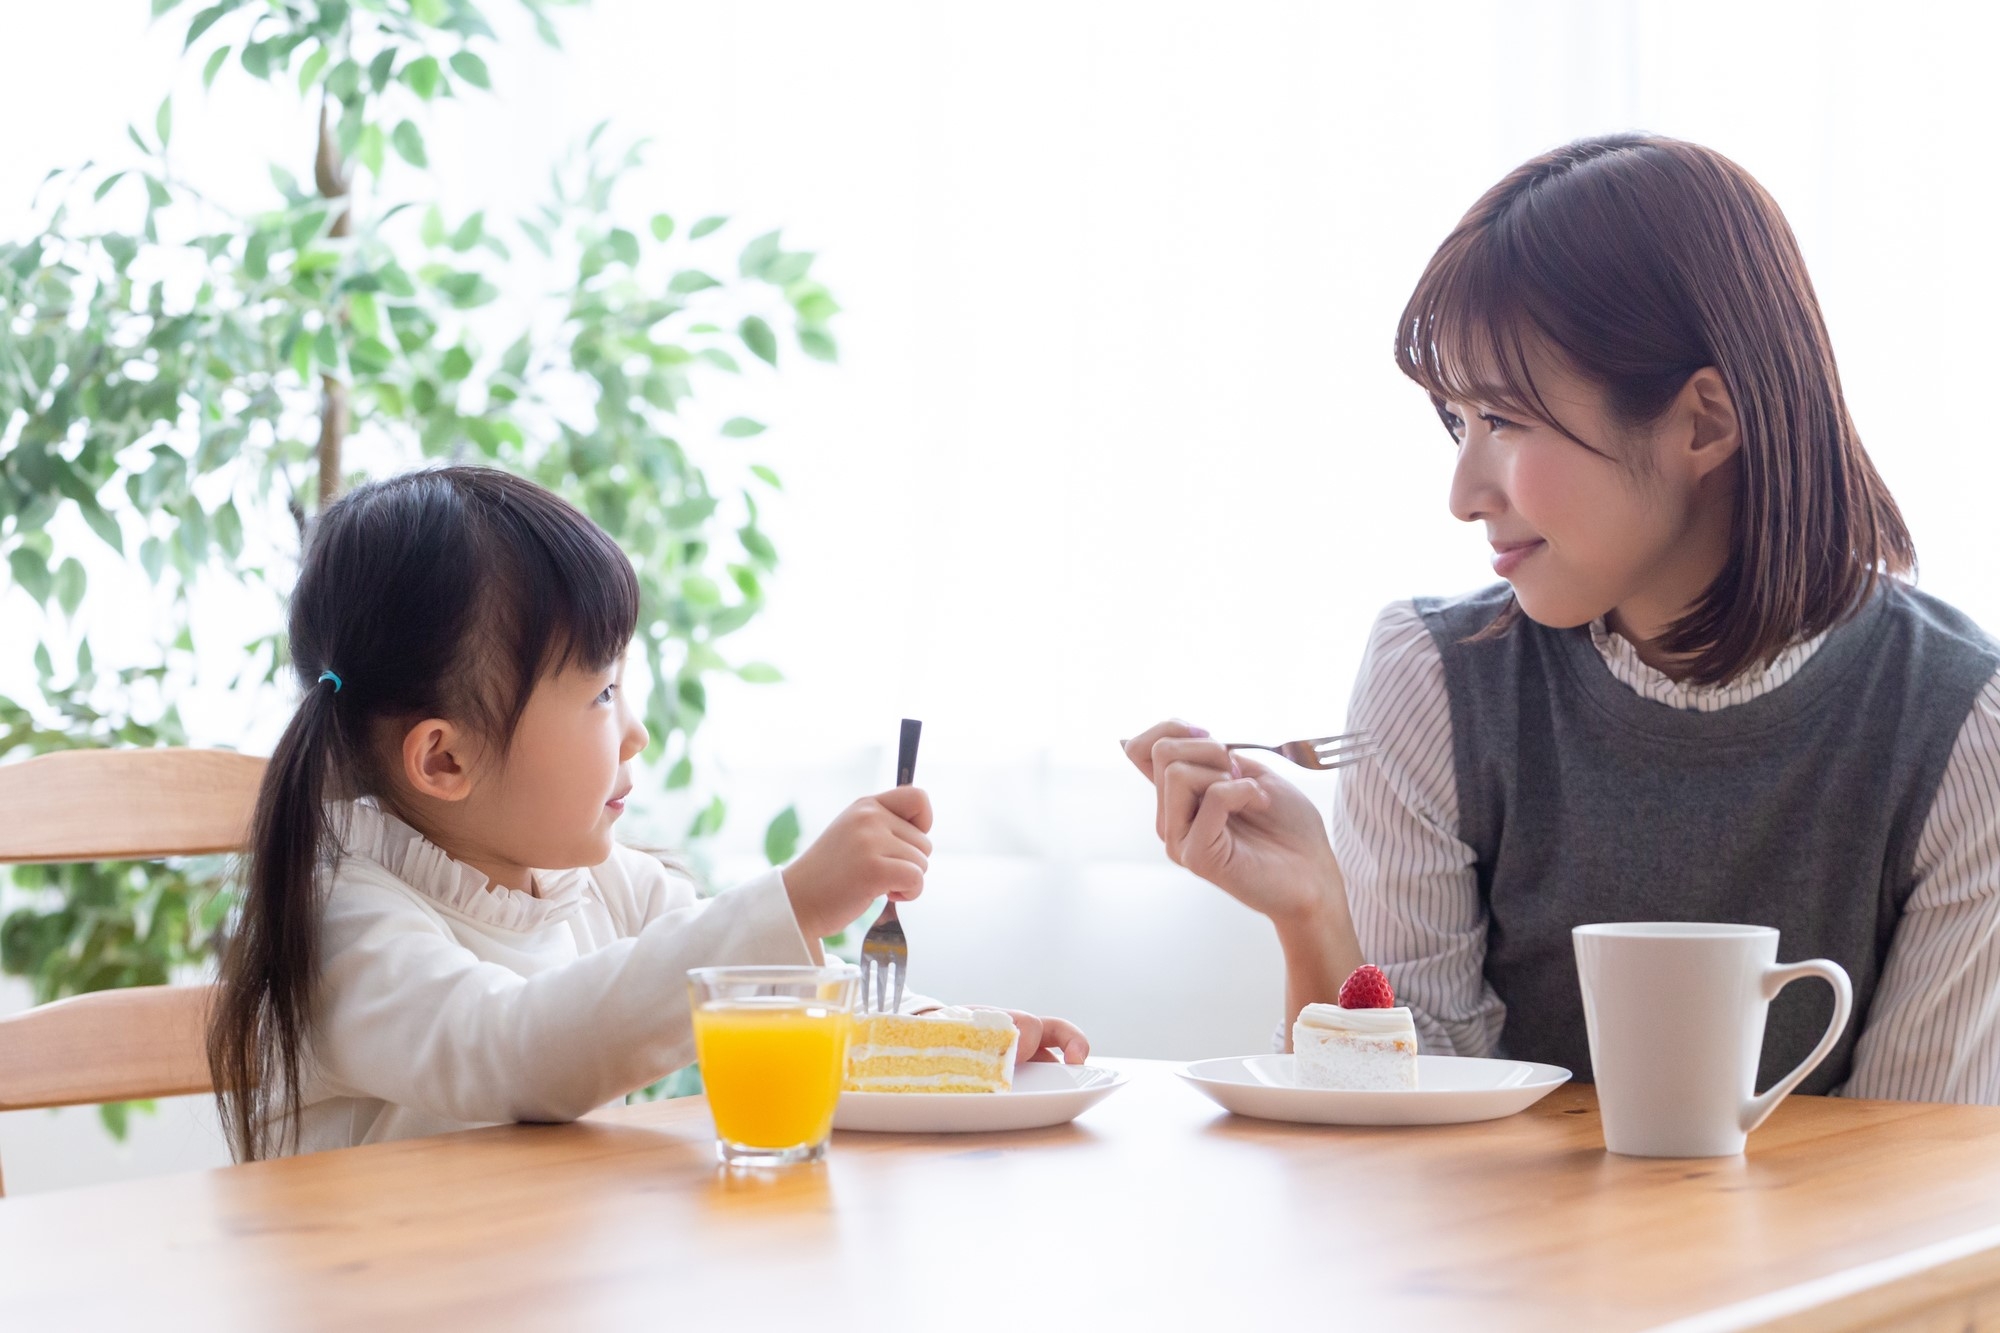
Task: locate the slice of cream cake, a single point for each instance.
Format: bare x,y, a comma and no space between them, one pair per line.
944,1050
1364,1043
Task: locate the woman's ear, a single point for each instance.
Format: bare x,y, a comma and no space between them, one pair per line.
437,760
1710,434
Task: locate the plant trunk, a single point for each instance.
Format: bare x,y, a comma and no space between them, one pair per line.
330,176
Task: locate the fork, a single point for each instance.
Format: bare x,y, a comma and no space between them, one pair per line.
885,955
1324,753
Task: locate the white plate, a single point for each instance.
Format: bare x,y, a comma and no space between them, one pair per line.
1043,1094
1451,1090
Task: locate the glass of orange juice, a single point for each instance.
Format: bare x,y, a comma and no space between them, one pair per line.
772,1042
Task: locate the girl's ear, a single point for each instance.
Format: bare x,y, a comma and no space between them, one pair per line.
437,760
1711,435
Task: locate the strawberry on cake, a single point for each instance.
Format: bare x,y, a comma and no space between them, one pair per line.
1362,1043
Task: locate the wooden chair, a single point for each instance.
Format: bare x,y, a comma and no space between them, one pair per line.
117,805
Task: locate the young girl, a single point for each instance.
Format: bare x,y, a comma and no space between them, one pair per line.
1705,690
437,929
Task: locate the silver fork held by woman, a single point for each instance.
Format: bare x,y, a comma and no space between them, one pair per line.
1326,752
885,954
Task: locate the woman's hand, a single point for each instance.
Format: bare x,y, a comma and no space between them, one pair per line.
1236,823
875,846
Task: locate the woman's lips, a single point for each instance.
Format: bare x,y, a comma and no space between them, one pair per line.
1507,556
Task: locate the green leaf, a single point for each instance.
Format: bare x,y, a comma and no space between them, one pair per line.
326,350
781,836
709,822
370,148
625,245
759,673
216,60
204,21
256,59
379,68
156,193
705,226
741,428
103,524
767,476
757,255
818,344
70,583
132,133
469,232
153,557
690,280
229,529
663,226
757,336
122,249
31,573
408,141
457,364
162,6
163,121
472,69
431,230
314,64
681,774
364,314
422,76
257,256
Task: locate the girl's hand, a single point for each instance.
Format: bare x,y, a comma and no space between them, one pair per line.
1236,823
1042,1038
875,846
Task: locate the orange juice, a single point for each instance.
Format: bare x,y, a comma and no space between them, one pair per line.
771,1066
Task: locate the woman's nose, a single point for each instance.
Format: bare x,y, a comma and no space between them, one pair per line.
1475,495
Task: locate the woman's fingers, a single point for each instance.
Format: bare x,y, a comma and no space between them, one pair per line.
1182,786
1140,748
1205,847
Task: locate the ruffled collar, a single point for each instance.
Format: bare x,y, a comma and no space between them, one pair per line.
368,832
1649,682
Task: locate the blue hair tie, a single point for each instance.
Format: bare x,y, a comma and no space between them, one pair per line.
328,675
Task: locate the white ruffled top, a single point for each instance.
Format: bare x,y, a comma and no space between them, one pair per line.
446,1002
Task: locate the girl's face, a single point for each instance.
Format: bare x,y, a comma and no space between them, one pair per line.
550,801
1633,525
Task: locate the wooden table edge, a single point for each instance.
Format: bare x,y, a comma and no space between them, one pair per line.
1944,1285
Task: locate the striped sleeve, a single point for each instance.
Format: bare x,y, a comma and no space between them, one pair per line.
1933,1032
1410,879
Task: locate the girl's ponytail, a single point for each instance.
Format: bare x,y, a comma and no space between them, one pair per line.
262,1016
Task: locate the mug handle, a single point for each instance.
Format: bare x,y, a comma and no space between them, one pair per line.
1757,1109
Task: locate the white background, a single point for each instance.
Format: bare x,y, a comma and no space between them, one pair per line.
1116,432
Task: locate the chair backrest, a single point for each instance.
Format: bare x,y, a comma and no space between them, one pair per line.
102,805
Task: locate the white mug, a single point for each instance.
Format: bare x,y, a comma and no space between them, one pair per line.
1675,1012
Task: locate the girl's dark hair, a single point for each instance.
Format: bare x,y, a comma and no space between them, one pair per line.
442,593
1642,260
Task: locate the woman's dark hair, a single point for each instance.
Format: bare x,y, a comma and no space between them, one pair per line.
442,593
1641,260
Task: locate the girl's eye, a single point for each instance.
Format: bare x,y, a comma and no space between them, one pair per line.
604,697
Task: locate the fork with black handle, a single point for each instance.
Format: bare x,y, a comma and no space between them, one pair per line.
885,954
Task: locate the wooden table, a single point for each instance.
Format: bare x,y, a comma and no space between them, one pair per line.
1155,1210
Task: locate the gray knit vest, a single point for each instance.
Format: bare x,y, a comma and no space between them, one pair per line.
1800,809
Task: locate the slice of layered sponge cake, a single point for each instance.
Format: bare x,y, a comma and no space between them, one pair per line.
944,1050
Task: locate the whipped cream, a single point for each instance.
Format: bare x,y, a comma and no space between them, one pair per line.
1374,1021
952,1013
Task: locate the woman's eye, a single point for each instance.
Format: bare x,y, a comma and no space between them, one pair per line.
1498,423
1456,425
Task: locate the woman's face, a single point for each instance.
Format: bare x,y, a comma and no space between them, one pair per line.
1632,524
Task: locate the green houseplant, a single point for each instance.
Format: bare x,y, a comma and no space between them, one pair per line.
183,385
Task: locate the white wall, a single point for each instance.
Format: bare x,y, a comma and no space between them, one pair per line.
1116,432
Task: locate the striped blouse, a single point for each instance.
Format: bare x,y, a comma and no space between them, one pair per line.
1933,1032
